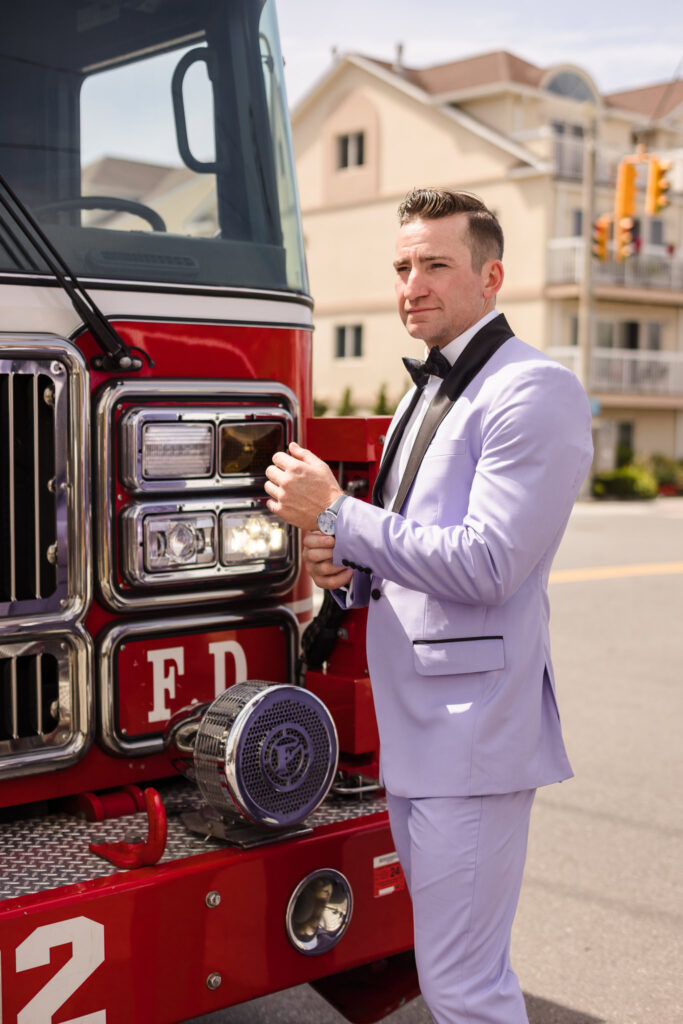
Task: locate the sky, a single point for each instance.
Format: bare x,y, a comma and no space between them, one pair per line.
621,44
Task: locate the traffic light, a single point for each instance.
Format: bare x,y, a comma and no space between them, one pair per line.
623,238
657,195
601,231
625,201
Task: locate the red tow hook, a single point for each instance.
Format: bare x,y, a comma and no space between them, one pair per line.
138,855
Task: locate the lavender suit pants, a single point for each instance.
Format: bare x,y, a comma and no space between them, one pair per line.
463,859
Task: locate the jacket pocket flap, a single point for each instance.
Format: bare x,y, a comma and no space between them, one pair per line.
451,657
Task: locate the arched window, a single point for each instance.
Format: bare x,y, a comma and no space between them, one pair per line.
571,85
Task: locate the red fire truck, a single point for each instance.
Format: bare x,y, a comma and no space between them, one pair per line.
189,808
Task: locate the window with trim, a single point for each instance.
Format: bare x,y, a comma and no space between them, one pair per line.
577,222
350,150
348,341
656,231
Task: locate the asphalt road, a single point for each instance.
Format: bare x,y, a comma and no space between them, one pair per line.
598,938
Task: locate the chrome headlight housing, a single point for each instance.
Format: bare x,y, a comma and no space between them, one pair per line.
181,501
170,543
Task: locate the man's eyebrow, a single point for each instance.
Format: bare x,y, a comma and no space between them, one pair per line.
420,259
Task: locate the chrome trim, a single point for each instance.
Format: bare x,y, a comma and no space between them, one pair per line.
105,479
338,908
134,421
110,640
133,553
71,738
58,359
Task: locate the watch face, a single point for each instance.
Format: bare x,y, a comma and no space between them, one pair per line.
326,521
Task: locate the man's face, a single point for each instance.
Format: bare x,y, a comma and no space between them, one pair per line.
439,294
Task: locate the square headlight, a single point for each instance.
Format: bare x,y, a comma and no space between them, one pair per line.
176,451
182,541
252,537
247,449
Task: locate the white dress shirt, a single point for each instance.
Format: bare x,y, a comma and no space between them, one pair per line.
451,351
393,479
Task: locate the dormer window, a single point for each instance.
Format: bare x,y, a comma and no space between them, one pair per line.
351,150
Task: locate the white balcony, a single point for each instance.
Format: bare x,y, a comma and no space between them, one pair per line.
651,268
628,371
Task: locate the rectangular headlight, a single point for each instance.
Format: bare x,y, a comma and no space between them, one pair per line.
182,541
252,537
248,448
176,451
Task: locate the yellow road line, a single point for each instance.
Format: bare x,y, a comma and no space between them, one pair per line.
615,572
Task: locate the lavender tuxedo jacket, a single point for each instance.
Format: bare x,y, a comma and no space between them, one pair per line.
458,644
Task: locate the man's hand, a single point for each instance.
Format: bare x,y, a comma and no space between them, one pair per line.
318,553
300,486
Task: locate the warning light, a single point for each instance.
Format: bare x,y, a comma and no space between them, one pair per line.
623,240
625,201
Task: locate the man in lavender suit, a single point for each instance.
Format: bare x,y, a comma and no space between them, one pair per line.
482,464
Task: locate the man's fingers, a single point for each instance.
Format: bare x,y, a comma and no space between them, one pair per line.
316,539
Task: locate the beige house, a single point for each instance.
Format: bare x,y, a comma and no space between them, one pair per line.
516,135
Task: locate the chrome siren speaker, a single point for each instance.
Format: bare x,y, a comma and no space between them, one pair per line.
268,751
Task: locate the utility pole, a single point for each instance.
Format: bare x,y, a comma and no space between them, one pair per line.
585,318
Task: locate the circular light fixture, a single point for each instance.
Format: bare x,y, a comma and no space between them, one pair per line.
319,912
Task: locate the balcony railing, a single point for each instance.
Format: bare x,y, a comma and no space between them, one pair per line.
568,159
652,268
628,371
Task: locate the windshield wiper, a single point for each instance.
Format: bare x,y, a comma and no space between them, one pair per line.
116,355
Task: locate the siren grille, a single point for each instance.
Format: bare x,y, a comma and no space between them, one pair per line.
269,750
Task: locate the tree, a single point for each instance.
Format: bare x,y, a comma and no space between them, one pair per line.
347,406
382,406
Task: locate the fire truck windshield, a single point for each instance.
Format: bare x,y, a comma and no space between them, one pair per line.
150,139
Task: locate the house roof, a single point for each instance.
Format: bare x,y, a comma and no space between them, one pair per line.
499,66
502,66
652,100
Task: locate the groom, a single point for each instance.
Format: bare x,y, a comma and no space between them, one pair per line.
482,464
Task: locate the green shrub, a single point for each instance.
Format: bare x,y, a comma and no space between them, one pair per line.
319,407
626,482
667,471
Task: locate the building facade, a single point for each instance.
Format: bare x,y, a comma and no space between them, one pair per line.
517,135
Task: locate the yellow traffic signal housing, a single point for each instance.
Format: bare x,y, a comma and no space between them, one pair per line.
657,195
625,201
601,233
623,238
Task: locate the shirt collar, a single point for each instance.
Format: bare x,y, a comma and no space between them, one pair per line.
456,347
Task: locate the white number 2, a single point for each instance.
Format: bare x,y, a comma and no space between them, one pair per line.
87,941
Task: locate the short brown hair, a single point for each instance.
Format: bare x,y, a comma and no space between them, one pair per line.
484,235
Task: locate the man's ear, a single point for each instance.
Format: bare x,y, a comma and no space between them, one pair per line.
492,275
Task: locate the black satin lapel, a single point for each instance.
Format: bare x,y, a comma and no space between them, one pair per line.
390,450
478,352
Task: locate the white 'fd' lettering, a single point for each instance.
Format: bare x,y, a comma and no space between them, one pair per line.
219,649
163,683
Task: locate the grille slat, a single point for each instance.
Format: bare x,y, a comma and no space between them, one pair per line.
28,507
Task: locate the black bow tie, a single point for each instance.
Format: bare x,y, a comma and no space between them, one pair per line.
435,365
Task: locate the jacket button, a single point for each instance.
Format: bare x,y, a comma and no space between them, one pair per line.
375,594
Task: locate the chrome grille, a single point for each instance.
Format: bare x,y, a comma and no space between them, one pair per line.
45,701
28,507
43,482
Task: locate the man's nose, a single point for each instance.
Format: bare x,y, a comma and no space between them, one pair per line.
415,284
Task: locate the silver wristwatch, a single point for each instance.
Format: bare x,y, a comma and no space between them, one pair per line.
328,517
